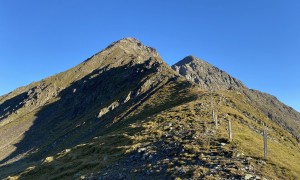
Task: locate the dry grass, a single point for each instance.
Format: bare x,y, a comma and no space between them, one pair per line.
161,122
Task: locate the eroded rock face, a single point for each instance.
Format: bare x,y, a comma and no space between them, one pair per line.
108,109
206,75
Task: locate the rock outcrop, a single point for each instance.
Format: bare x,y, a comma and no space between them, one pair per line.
212,78
206,75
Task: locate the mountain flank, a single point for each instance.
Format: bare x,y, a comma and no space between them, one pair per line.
125,114
214,79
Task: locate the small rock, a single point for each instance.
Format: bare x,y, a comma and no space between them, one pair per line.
140,150
248,176
262,162
238,154
48,159
248,158
67,150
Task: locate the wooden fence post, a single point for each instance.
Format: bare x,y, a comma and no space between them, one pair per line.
265,144
229,130
212,107
216,120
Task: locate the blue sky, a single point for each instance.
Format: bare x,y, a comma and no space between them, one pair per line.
256,41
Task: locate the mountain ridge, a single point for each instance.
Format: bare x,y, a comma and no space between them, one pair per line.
125,107
212,78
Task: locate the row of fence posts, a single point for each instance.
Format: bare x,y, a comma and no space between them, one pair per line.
215,120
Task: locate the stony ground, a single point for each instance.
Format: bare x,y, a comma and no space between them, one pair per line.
182,146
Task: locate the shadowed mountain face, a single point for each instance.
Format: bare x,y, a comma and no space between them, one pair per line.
211,78
73,106
125,114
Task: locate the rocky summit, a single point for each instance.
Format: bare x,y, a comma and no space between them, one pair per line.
125,114
206,75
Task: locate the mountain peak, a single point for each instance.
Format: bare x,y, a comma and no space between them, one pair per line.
131,44
129,39
124,51
189,59
205,74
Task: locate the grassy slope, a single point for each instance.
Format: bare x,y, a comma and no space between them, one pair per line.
248,126
44,109
114,136
175,128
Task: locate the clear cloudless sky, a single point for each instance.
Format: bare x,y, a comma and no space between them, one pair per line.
256,41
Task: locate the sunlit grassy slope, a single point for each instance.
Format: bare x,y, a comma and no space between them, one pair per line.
125,114
172,135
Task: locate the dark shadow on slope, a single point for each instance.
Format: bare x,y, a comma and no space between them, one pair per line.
12,105
73,119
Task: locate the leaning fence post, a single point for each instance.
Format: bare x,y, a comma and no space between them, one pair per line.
229,130
265,144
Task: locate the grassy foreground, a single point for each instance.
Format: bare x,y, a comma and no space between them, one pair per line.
167,137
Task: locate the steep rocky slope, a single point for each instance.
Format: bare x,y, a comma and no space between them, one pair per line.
212,78
206,75
68,108
125,114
